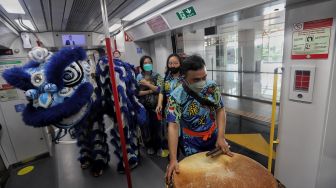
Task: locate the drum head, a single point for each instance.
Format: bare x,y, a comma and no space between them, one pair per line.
199,171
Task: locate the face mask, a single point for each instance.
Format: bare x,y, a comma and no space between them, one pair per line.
148,67
174,70
197,86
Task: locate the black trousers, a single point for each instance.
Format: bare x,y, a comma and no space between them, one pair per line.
152,131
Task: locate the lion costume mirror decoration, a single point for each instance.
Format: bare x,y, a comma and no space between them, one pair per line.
63,92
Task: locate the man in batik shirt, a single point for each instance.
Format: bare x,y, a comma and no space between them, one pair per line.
200,126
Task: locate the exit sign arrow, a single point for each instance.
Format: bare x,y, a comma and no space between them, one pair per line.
186,13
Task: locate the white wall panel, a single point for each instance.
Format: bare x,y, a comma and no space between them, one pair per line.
302,125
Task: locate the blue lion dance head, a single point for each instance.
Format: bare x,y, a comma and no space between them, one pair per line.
57,86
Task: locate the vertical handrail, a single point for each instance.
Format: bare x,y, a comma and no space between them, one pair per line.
115,91
271,139
115,43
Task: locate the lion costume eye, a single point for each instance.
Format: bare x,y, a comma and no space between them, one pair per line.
73,75
37,79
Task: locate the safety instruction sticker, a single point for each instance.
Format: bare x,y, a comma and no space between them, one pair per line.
311,40
139,50
7,92
19,107
3,66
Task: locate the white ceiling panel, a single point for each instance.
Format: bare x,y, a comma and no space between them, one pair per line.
57,14
34,8
45,4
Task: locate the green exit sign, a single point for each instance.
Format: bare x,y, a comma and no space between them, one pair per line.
186,13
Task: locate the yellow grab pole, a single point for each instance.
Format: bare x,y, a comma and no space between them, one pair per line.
271,140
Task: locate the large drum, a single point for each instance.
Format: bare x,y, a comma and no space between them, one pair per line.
199,171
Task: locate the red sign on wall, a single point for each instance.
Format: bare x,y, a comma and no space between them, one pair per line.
127,37
6,86
311,40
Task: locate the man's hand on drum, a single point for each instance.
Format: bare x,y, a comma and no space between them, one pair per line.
224,146
171,168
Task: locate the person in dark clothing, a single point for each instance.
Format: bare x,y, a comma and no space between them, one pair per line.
150,84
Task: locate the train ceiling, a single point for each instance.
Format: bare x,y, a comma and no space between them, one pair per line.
69,15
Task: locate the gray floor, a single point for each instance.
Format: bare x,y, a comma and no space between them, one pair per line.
70,175
63,171
44,175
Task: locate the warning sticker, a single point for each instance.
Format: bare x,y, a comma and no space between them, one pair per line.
311,40
7,92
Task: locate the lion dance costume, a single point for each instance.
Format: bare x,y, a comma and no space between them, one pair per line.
62,91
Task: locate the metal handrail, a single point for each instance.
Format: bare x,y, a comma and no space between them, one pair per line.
271,140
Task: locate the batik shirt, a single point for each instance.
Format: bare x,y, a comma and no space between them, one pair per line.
170,83
186,111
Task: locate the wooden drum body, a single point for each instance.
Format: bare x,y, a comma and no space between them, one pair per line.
199,171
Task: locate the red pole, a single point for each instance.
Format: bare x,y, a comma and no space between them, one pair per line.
115,92
115,44
118,112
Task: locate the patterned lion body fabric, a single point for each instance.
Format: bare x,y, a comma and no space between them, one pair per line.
62,92
189,113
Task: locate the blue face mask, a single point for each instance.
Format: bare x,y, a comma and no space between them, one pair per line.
148,67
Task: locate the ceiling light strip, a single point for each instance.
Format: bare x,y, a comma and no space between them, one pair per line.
12,6
158,12
149,5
